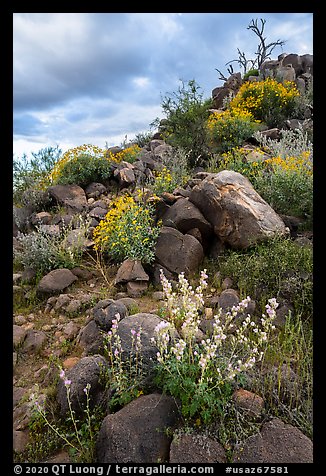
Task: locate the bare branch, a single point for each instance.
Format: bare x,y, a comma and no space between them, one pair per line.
230,69
222,77
263,50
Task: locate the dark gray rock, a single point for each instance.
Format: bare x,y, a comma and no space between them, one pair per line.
94,190
277,443
34,342
228,298
55,282
91,339
86,371
19,334
177,252
184,216
136,289
131,304
28,276
145,324
82,274
98,213
20,440
70,196
138,432
103,316
18,394
131,270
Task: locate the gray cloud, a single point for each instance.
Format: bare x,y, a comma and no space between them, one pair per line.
78,73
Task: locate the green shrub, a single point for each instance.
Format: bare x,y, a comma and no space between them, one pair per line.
81,165
286,184
251,72
164,182
265,269
143,138
128,154
29,174
185,126
291,350
292,143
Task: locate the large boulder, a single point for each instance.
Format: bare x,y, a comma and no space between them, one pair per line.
238,214
87,371
145,324
55,281
184,216
276,443
138,432
177,252
70,196
295,61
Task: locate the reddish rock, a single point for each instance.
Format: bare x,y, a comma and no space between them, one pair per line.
70,362
131,270
250,402
239,216
71,196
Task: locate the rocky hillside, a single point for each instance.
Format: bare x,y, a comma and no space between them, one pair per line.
156,305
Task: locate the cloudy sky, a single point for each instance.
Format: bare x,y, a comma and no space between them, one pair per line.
97,77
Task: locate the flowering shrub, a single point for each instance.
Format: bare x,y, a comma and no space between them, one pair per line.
288,186
230,128
164,182
235,160
129,154
201,373
125,374
80,165
268,101
292,143
127,231
286,183
44,251
81,441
